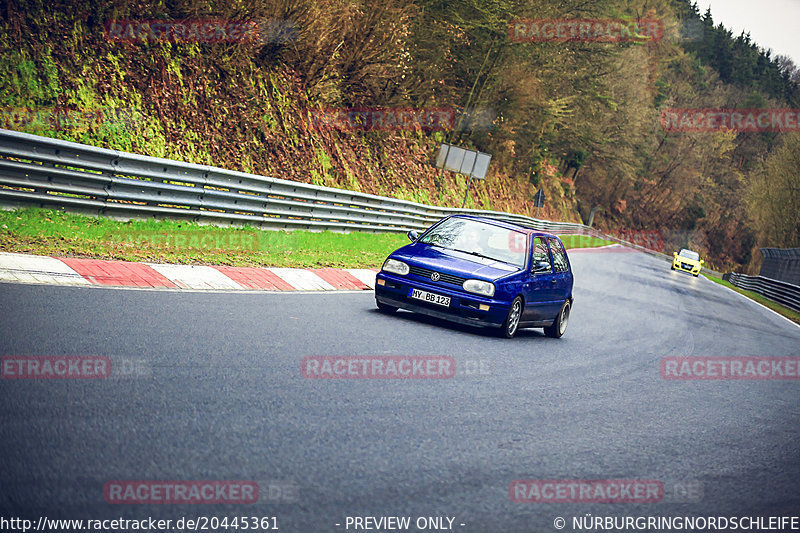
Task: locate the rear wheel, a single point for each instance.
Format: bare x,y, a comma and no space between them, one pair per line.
560,323
384,308
512,320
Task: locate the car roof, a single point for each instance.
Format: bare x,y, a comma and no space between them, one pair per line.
507,225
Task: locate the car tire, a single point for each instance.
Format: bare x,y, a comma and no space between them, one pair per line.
511,323
672,267
695,275
559,326
384,308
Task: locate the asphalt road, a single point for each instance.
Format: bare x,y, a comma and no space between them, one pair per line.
207,386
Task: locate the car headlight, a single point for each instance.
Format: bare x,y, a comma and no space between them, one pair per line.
395,267
479,287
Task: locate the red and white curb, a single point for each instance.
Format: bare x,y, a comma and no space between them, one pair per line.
25,268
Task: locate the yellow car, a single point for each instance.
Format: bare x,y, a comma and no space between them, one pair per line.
688,261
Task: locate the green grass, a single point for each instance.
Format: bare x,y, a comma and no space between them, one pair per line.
57,233
791,314
62,234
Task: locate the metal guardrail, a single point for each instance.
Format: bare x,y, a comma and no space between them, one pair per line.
778,291
45,172
782,264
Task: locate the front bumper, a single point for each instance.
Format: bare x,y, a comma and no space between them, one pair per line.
677,264
464,308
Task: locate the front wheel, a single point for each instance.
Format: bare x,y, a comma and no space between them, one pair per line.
511,324
560,323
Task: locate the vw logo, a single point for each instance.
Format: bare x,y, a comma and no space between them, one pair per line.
435,276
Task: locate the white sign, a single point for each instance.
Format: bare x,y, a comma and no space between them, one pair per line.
470,162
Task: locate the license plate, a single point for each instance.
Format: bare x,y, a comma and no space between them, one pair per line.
437,299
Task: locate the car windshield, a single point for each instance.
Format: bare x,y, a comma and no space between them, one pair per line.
481,239
688,254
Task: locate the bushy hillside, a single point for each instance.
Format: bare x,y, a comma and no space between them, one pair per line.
579,119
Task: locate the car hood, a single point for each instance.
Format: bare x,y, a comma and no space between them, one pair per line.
453,262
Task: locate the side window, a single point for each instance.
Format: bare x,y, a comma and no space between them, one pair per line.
559,255
540,256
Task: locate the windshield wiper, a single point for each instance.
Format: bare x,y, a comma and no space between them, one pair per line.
478,254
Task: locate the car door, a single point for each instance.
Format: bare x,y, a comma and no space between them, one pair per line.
562,276
539,290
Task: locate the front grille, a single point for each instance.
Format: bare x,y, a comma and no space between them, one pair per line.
446,278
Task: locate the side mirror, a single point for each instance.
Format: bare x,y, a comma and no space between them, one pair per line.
674,254
413,235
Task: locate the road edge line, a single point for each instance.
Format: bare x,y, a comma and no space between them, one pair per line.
792,322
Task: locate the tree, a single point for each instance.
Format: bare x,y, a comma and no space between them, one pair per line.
774,195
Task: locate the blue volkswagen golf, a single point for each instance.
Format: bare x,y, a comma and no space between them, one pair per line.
482,272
